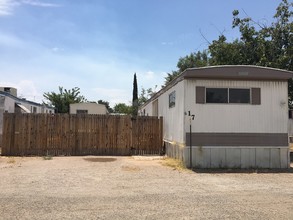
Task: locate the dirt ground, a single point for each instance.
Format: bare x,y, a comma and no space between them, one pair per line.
128,188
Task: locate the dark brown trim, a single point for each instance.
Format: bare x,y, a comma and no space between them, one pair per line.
200,94
237,139
255,96
238,73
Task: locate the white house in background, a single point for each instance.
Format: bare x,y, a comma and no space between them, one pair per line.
9,102
238,117
88,108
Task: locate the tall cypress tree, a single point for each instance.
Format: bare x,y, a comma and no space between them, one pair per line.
134,97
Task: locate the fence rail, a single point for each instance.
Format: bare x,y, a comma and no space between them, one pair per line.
64,134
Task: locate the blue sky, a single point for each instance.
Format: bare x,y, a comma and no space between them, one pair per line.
97,45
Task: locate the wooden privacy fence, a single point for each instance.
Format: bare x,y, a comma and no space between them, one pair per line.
63,134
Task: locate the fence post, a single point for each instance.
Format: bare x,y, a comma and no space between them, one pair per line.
5,135
8,133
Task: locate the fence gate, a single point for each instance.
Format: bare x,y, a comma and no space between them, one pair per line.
64,134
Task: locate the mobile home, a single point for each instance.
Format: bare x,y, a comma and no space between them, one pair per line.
225,117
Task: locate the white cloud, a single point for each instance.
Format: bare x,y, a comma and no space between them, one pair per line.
25,89
7,6
113,96
57,49
149,75
44,68
151,79
9,40
167,43
28,89
39,3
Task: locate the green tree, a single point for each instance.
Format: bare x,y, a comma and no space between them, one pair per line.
259,44
171,76
122,108
110,110
262,45
198,59
134,97
63,99
224,53
145,95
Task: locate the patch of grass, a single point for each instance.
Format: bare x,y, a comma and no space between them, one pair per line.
174,163
130,168
11,160
48,157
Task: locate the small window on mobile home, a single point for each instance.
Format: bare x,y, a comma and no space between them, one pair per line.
172,97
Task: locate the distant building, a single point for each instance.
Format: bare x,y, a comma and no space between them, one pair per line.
88,108
9,102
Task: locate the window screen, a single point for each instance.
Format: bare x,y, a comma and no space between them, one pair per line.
172,97
239,95
216,95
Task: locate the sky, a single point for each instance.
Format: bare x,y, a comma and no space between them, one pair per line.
97,45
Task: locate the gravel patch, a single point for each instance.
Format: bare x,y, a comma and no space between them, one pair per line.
136,188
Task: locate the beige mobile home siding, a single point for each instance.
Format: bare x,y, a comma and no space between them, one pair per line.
147,110
173,121
173,130
223,135
269,117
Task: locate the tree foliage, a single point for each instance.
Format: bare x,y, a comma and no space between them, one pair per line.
198,59
122,108
63,99
258,44
134,97
106,103
145,95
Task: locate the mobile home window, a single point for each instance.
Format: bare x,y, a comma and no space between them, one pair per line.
239,95
172,97
227,95
216,95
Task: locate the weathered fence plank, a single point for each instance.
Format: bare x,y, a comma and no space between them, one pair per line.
63,134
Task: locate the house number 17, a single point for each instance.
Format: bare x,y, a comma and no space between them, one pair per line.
192,116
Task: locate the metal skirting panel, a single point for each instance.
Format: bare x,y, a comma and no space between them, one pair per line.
237,139
238,157
174,150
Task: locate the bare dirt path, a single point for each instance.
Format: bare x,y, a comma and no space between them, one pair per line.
125,188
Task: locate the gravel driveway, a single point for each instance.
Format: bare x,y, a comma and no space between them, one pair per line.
127,188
